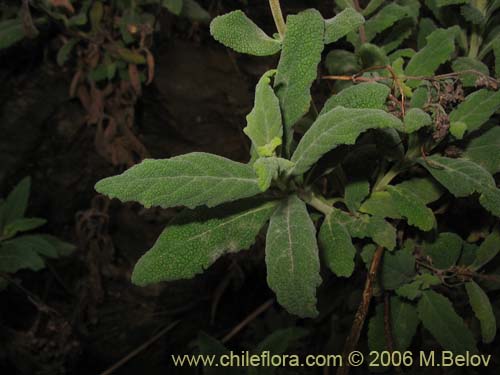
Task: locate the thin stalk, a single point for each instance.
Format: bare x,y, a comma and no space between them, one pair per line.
278,17
387,178
317,202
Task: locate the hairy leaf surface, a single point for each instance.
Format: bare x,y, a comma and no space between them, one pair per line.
463,177
484,150
477,108
445,250
268,169
235,30
292,258
482,309
338,126
297,68
364,95
264,125
439,317
189,180
411,207
197,238
488,250
342,24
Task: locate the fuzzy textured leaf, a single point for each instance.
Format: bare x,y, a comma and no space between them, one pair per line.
445,250
297,69
235,30
292,258
416,119
484,150
264,126
268,169
354,194
342,24
189,180
439,49
463,177
412,208
469,63
337,246
488,250
196,239
338,126
365,95
477,108
482,309
398,268
385,18
439,317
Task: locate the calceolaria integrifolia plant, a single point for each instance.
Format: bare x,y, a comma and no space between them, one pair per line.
372,173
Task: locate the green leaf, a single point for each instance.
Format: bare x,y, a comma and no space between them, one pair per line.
190,180
365,95
398,268
443,3
439,49
420,97
445,250
297,69
336,243
13,259
458,129
35,243
477,108
439,317
11,32
384,19
412,208
268,169
425,27
426,189
292,258
16,203
483,150
496,51
235,30
371,55
342,24
380,203
21,225
341,62
462,178
192,10
414,289
264,125
195,239
365,226
488,250
404,322
336,127
354,194
482,309
61,248
416,119
174,6
468,63
65,51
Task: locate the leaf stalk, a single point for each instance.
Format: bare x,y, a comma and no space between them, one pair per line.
278,17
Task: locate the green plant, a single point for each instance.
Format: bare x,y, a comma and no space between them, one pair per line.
18,249
394,150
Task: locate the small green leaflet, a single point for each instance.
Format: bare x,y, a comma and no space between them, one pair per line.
338,126
384,19
365,226
469,63
297,69
404,323
483,150
342,24
189,180
439,317
354,194
196,239
445,250
414,289
364,95
488,250
380,204
264,125
21,225
337,246
477,108
14,206
340,61
268,169
412,208
11,32
416,119
174,6
235,30
439,48
13,259
292,258
482,309
192,10
398,268
462,178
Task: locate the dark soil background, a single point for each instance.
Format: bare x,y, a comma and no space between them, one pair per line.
197,102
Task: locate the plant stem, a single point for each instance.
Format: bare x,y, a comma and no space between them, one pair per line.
278,17
475,42
387,178
317,202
